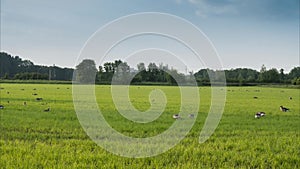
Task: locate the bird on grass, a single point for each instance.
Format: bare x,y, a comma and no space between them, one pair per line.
259,115
176,116
284,109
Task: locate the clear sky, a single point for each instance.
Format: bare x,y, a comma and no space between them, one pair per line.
246,33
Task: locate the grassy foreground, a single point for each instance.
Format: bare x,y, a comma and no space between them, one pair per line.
32,138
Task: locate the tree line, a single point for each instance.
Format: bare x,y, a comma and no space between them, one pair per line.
13,67
119,72
249,76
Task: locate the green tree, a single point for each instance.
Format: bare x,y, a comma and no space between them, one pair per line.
262,74
294,73
142,75
153,72
271,76
241,79
122,73
99,74
86,71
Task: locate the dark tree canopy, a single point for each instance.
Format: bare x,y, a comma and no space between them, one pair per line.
13,67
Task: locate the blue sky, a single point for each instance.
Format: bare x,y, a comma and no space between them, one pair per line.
246,33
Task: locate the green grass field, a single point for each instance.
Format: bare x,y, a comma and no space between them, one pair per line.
32,138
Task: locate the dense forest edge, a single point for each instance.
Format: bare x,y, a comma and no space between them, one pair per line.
15,70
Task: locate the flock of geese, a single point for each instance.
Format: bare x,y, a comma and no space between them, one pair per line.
175,116
261,114
25,103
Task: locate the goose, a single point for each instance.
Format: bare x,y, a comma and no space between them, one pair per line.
1,107
259,114
176,116
284,109
47,110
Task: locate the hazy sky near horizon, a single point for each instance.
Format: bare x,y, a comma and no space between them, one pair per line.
246,33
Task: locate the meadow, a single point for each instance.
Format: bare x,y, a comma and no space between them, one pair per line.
33,138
